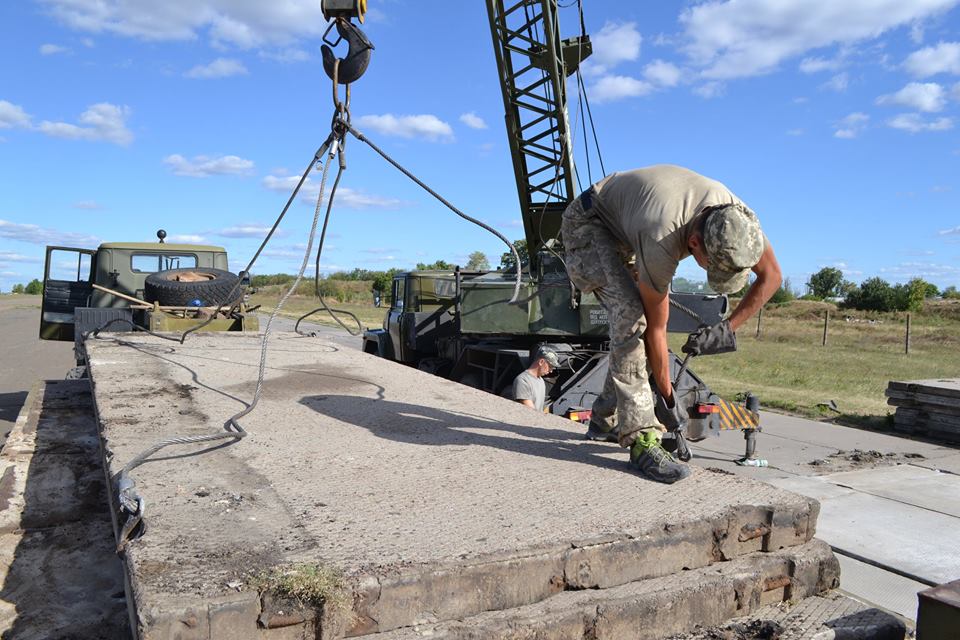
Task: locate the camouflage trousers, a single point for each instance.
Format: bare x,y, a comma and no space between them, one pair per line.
596,263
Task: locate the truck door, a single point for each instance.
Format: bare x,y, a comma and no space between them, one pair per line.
394,318
67,284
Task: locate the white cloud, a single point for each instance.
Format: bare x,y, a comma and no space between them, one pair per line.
929,271
815,65
837,83
929,61
246,231
712,89
242,23
926,96
851,126
426,126
35,234
473,121
916,32
204,166
287,55
739,38
955,92
795,132
52,49
12,115
949,232
187,238
219,68
915,123
346,197
664,74
88,205
8,256
613,44
610,88
102,122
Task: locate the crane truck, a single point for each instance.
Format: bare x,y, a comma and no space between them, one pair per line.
462,325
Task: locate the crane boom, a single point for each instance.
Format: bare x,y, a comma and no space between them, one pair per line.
533,64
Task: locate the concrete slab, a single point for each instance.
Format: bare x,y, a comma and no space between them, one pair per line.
60,575
910,539
907,484
791,443
881,588
652,609
413,487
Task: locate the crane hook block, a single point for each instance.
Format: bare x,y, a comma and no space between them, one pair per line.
343,8
359,49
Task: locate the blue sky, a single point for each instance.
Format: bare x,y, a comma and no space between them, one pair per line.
837,122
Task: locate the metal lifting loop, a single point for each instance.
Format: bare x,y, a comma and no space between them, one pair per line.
359,49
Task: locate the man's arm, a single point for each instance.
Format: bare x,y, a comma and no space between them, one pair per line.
527,403
767,282
656,308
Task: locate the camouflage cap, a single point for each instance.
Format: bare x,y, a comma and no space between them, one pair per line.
549,355
734,244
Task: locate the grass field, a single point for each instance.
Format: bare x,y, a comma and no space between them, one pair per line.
789,369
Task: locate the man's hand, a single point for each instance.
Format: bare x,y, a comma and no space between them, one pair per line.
708,340
672,417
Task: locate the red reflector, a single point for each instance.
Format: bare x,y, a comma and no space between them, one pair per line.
708,408
580,416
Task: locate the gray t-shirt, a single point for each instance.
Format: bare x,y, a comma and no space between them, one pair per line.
527,386
650,211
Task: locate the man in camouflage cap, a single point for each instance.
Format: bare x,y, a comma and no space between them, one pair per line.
658,216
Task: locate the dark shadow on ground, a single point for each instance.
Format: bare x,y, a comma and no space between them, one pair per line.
65,579
428,426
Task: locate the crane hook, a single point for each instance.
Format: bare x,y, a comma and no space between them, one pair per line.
359,49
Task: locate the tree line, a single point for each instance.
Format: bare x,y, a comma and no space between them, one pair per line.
874,294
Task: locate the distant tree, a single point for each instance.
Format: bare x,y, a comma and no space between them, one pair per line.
846,287
685,285
439,265
873,294
265,280
826,283
909,296
478,262
17,288
784,293
383,280
951,293
507,263
34,288
932,290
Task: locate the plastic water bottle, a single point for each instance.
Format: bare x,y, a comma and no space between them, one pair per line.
753,462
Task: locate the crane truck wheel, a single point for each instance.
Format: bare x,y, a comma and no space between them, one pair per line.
185,287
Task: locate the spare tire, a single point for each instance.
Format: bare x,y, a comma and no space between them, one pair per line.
184,287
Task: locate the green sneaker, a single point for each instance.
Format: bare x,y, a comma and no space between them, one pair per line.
655,463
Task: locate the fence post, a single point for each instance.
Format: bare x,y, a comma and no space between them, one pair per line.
906,346
826,321
759,317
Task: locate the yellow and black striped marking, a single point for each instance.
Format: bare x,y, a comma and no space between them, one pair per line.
737,416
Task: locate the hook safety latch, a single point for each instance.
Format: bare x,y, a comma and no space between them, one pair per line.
359,49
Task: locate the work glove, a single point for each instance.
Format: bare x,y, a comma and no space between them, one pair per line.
708,340
672,416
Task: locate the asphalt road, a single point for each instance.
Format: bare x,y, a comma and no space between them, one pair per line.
25,358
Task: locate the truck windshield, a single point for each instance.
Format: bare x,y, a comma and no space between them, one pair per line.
153,262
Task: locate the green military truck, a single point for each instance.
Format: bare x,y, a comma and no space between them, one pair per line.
158,286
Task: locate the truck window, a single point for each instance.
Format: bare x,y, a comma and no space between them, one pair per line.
153,262
398,289
67,265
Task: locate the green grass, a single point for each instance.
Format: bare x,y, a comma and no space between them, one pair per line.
789,369
297,305
307,584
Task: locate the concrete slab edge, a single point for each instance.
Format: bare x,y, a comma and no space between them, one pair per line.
652,609
423,594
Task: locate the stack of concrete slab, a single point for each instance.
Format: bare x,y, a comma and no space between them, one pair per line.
371,499
927,407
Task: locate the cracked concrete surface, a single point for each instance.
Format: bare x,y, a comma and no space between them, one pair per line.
415,488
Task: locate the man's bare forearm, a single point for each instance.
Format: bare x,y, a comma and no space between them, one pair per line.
768,281
655,340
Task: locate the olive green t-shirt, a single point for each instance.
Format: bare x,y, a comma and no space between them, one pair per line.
650,210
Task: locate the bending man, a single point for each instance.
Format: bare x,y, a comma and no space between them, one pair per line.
659,215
